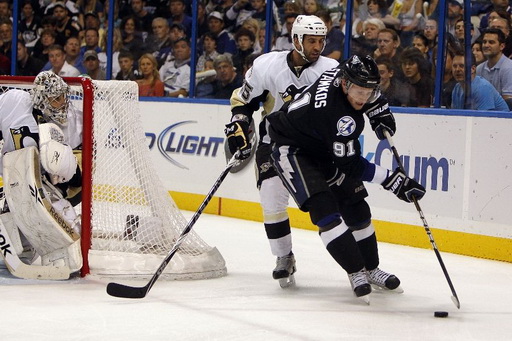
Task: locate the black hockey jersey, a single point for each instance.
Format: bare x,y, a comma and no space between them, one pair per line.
323,123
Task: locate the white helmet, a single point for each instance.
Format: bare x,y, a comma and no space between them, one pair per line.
48,86
307,24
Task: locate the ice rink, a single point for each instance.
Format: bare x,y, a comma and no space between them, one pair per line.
248,304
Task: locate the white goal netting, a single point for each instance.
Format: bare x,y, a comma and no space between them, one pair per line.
132,221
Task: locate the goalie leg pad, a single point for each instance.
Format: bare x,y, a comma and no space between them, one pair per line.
70,256
12,231
43,225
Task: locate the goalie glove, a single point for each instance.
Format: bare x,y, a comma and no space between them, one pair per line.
381,118
237,133
403,187
56,157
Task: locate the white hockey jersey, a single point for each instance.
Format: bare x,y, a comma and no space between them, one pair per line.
18,124
271,72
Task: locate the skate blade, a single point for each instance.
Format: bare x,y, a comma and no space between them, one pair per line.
287,282
379,289
365,299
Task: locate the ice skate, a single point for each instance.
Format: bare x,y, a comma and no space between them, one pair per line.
360,285
285,268
382,280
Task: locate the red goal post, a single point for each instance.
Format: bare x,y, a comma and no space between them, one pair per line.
129,221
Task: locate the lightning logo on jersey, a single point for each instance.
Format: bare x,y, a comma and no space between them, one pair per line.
346,126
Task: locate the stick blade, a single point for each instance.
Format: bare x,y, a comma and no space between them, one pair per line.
125,291
455,301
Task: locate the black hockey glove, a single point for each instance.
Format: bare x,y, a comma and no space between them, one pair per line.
403,187
237,133
381,118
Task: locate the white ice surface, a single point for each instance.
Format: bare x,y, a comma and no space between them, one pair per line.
249,305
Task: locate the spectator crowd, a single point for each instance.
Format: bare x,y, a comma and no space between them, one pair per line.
152,44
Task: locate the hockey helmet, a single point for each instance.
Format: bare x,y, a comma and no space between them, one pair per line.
362,71
51,95
307,25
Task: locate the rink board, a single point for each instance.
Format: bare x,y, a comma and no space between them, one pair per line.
464,162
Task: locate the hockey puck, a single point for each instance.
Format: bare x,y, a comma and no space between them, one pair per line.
441,314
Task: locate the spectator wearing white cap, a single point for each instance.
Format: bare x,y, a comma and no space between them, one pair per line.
225,42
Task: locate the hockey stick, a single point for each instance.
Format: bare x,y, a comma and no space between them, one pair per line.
120,290
21,270
455,298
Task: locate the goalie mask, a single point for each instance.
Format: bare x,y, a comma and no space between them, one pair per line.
51,95
307,25
363,72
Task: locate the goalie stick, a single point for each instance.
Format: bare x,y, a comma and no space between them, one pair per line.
21,270
125,291
454,297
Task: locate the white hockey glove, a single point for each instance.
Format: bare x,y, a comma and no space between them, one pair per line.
56,157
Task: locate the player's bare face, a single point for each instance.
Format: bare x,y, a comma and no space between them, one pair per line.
357,95
313,46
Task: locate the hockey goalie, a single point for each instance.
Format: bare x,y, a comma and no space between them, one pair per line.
42,135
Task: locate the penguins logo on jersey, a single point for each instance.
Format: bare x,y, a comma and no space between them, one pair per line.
346,126
290,93
337,82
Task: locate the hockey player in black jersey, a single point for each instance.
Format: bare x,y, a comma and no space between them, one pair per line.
318,157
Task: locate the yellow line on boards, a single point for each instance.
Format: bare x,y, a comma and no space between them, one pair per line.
462,243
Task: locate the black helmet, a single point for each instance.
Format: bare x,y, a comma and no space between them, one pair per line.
362,71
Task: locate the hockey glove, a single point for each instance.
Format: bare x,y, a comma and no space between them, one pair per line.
237,133
58,160
403,187
381,118
56,157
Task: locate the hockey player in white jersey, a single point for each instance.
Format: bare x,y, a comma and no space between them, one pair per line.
274,79
40,127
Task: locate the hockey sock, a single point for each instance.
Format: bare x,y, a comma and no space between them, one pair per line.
342,246
369,250
280,237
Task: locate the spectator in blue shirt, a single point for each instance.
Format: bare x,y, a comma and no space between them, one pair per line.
483,94
225,42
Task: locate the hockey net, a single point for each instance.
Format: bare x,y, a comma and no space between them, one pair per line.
129,221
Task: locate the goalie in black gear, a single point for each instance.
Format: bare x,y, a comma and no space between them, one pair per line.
318,157
41,128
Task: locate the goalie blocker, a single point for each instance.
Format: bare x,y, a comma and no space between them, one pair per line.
44,217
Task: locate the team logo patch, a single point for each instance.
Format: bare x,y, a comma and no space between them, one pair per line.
337,82
346,126
265,167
